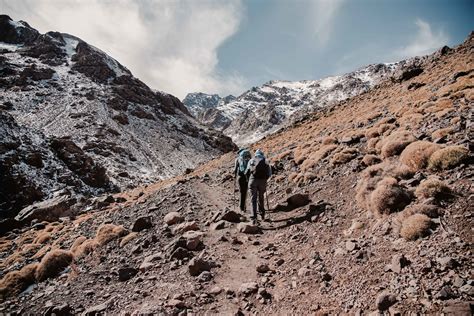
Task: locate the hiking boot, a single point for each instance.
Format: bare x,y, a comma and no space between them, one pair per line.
262,214
254,221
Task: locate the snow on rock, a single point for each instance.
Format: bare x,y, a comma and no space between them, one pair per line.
55,85
263,110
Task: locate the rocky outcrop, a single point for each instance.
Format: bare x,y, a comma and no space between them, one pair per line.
102,124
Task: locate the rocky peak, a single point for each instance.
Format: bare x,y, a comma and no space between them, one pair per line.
13,32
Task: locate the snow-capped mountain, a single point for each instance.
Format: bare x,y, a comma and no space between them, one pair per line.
60,87
265,109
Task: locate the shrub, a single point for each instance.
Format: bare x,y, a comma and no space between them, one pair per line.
53,263
448,157
125,240
42,238
415,226
329,140
429,210
77,243
369,160
442,132
85,248
108,232
394,143
372,132
372,143
432,188
317,156
17,281
344,156
388,197
416,154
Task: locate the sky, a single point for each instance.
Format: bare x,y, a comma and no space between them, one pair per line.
229,46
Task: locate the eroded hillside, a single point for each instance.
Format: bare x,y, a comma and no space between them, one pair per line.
370,211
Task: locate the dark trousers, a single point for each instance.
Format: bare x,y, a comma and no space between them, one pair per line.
257,189
243,187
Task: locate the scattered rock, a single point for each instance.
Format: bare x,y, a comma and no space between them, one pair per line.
173,218
198,265
298,200
248,228
350,245
218,226
262,268
48,210
385,300
249,288
126,273
446,293
459,309
184,227
193,239
231,216
398,263
97,309
142,223
447,263
180,253
205,276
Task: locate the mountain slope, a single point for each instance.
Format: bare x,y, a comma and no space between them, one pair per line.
265,109
367,165
63,87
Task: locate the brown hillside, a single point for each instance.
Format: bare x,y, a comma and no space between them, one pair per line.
375,235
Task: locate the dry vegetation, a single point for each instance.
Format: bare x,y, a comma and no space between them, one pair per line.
415,226
394,143
388,197
448,157
417,154
433,188
52,264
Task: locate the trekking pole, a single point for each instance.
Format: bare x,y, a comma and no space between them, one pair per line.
235,200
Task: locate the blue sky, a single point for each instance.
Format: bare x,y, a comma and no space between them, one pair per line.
224,47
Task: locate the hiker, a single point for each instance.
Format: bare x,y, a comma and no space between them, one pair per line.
241,162
258,171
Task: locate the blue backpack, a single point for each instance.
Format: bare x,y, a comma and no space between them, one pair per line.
244,157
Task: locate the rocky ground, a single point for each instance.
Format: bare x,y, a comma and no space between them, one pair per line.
370,212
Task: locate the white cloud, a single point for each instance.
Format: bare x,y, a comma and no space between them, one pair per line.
424,42
325,12
170,45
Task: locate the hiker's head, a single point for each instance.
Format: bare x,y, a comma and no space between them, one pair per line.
259,154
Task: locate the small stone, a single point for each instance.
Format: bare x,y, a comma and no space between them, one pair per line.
231,216
173,218
185,227
458,281
215,290
218,226
280,261
176,303
262,268
350,245
303,272
446,293
385,300
248,228
126,273
197,265
142,223
398,263
145,266
205,276
97,309
248,288
447,263
193,239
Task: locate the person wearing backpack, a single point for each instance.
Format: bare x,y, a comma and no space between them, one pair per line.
258,171
241,162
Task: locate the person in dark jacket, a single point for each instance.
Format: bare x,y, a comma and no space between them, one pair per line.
258,172
241,163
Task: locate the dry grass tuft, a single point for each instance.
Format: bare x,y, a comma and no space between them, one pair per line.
388,197
429,210
344,156
17,281
395,143
85,248
369,160
77,243
42,238
442,132
372,143
448,157
53,263
125,240
329,140
433,188
417,154
415,226
316,156
108,232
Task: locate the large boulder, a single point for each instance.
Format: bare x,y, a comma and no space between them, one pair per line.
48,210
